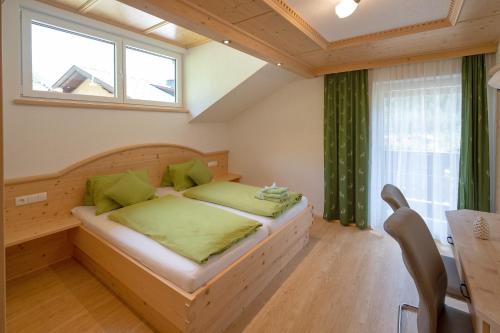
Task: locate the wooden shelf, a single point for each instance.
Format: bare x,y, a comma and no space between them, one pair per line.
230,177
39,230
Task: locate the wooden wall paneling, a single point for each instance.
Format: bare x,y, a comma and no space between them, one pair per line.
65,189
31,256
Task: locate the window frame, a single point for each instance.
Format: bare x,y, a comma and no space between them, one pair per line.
155,51
81,26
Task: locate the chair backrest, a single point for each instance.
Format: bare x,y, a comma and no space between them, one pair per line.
422,259
394,197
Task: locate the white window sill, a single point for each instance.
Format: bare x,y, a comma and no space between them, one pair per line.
96,105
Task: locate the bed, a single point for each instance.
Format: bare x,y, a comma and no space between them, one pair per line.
184,273
208,300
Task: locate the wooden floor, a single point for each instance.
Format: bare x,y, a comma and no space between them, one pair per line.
66,298
345,280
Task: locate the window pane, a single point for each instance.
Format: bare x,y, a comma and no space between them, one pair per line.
69,63
150,77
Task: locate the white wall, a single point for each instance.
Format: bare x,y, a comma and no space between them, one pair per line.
40,140
211,71
281,139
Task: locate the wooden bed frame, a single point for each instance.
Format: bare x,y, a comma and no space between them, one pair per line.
168,308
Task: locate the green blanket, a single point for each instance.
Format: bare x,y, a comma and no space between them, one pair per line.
242,197
191,229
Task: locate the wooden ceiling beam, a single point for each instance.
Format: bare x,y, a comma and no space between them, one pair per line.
410,59
87,6
289,14
190,16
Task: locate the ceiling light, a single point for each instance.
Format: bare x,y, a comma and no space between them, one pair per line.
346,7
279,64
226,41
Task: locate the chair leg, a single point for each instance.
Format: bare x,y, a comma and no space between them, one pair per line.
403,307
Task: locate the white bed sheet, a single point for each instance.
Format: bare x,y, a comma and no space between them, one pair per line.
273,224
183,272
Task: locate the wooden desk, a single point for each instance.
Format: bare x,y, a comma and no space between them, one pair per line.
479,263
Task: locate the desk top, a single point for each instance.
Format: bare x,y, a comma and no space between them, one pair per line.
480,261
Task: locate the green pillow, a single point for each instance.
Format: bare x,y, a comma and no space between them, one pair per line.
129,190
200,172
88,199
166,180
179,175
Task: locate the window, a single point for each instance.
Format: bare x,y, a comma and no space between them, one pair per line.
67,60
415,139
64,62
150,76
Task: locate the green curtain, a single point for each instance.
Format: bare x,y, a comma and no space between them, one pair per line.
346,148
474,176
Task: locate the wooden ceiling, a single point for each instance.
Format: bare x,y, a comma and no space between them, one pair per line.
119,14
274,32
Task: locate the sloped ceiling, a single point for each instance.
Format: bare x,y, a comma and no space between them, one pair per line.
261,84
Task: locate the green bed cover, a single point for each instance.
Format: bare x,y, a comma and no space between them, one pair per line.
241,197
191,229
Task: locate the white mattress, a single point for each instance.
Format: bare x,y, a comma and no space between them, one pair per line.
273,224
183,272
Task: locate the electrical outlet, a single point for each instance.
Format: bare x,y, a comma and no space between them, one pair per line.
21,201
31,198
42,196
213,163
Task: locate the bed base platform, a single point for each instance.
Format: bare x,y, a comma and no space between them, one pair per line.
212,307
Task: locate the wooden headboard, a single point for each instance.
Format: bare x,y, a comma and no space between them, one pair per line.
65,189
